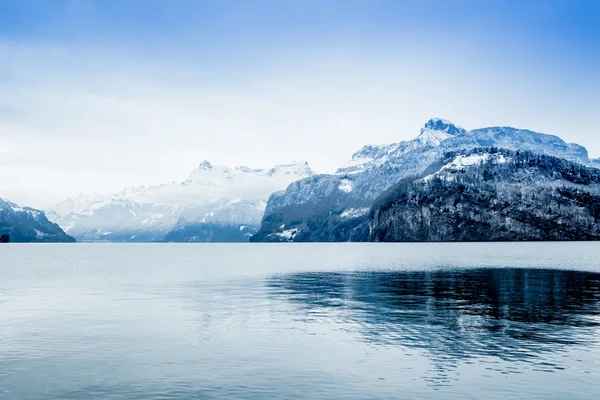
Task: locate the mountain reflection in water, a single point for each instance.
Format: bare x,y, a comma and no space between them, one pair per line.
315,321
515,315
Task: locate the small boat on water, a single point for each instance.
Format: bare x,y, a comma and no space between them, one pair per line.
4,239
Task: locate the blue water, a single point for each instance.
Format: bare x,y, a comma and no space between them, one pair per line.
300,321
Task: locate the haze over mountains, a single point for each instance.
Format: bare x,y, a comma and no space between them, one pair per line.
215,201
446,184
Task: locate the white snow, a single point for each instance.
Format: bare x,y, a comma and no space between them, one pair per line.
16,208
287,234
462,161
432,137
208,215
472,159
345,186
354,212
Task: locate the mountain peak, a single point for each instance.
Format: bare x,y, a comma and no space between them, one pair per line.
205,165
443,125
300,168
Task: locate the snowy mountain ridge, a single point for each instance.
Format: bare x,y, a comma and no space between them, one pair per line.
147,213
7,205
375,168
434,132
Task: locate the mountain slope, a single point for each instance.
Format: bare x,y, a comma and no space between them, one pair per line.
310,209
25,224
213,197
490,195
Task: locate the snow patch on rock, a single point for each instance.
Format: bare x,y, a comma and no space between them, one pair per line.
355,212
287,234
345,186
459,163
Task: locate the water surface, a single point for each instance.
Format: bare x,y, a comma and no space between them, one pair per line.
314,321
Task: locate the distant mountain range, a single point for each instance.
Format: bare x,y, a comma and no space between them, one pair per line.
215,203
327,207
25,224
447,184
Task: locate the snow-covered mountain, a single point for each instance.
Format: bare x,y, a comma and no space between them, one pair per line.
434,132
25,224
213,195
311,203
483,195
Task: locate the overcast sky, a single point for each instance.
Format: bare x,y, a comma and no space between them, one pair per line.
101,95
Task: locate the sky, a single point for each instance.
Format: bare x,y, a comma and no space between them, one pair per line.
99,95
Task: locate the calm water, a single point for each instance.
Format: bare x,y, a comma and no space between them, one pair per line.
314,321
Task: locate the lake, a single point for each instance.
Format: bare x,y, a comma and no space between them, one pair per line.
291,321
